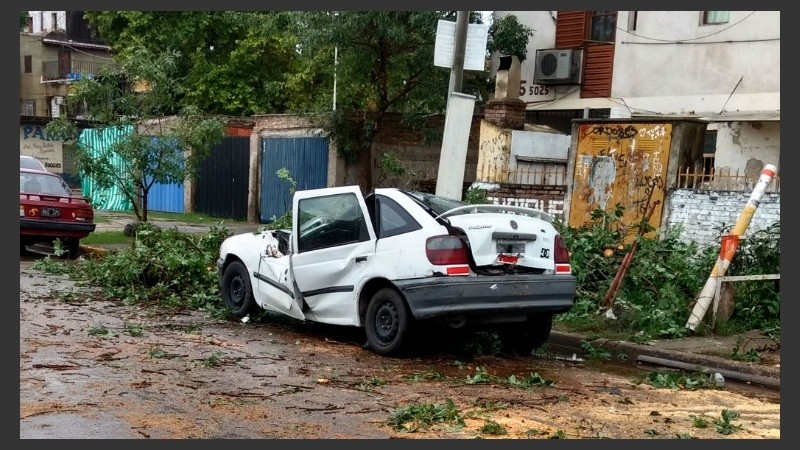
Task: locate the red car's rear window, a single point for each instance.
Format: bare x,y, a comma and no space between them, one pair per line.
42,183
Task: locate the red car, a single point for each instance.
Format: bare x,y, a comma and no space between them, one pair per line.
48,210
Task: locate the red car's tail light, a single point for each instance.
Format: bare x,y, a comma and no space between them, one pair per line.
561,257
446,250
84,214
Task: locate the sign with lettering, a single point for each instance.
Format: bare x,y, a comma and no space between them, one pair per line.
33,141
529,92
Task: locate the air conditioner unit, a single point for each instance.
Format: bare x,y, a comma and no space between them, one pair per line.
558,66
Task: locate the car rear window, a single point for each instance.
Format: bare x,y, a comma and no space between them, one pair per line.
438,204
28,162
41,183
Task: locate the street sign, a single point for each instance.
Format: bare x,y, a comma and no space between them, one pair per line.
474,52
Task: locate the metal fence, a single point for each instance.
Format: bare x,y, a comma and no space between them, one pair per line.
717,180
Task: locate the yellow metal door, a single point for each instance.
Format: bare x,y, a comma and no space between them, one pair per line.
620,163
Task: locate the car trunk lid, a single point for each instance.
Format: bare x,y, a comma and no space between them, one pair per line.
501,235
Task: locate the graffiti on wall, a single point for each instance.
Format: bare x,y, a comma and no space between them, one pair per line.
621,164
553,207
494,153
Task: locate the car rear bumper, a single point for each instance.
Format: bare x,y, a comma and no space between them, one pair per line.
55,229
512,295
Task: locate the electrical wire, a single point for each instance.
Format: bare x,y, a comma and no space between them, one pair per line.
677,41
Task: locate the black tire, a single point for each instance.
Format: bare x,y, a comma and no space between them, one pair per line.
528,336
387,322
73,248
237,292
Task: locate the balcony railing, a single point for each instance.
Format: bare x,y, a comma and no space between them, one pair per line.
70,70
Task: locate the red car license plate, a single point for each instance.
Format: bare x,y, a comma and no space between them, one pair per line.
51,212
508,259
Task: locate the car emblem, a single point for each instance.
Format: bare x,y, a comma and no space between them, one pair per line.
513,225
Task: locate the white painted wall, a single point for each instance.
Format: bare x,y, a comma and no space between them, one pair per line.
703,214
537,144
747,145
652,71
43,20
544,36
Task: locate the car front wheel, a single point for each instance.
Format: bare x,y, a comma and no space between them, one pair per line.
387,322
237,292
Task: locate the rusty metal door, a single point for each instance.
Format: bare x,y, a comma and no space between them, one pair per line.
620,163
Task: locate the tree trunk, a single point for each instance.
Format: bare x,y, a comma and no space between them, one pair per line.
365,166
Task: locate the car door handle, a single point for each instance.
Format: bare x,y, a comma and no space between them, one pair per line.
361,259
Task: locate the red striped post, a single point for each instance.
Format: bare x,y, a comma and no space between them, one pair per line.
729,247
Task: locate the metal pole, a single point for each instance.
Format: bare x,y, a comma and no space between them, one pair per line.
335,62
729,247
457,71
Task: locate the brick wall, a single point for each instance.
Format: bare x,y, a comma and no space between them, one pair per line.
549,199
703,213
418,151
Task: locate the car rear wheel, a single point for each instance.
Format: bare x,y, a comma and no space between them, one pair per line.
387,322
526,337
237,292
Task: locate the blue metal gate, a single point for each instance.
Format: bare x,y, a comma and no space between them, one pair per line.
306,159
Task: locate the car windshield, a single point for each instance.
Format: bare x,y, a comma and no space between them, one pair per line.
42,183
29,162
438,204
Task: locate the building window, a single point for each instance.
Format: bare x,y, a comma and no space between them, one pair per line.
54,18
29,108
632,17
709,148
715,17
28,64
603,25
29,24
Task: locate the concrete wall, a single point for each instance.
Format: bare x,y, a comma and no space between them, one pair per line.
702,214
652,71
747,146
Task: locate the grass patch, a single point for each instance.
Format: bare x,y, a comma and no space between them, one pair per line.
190,218
105,238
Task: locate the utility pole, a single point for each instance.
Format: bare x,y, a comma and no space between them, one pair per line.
457,71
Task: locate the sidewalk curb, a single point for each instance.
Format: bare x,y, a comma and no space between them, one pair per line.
770,375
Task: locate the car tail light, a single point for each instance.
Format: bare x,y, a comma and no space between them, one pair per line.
448,251
562,256
84,215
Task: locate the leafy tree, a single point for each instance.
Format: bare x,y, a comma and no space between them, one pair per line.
235,62
509,37
23,20
139,94
385,64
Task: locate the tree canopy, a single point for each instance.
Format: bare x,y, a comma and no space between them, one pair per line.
159,140
243,63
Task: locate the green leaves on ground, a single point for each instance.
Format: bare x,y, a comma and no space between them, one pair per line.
164,267
664,276
419,416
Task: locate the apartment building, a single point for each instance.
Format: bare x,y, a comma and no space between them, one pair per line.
721,67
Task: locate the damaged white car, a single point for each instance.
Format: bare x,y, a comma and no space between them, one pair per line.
396,258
